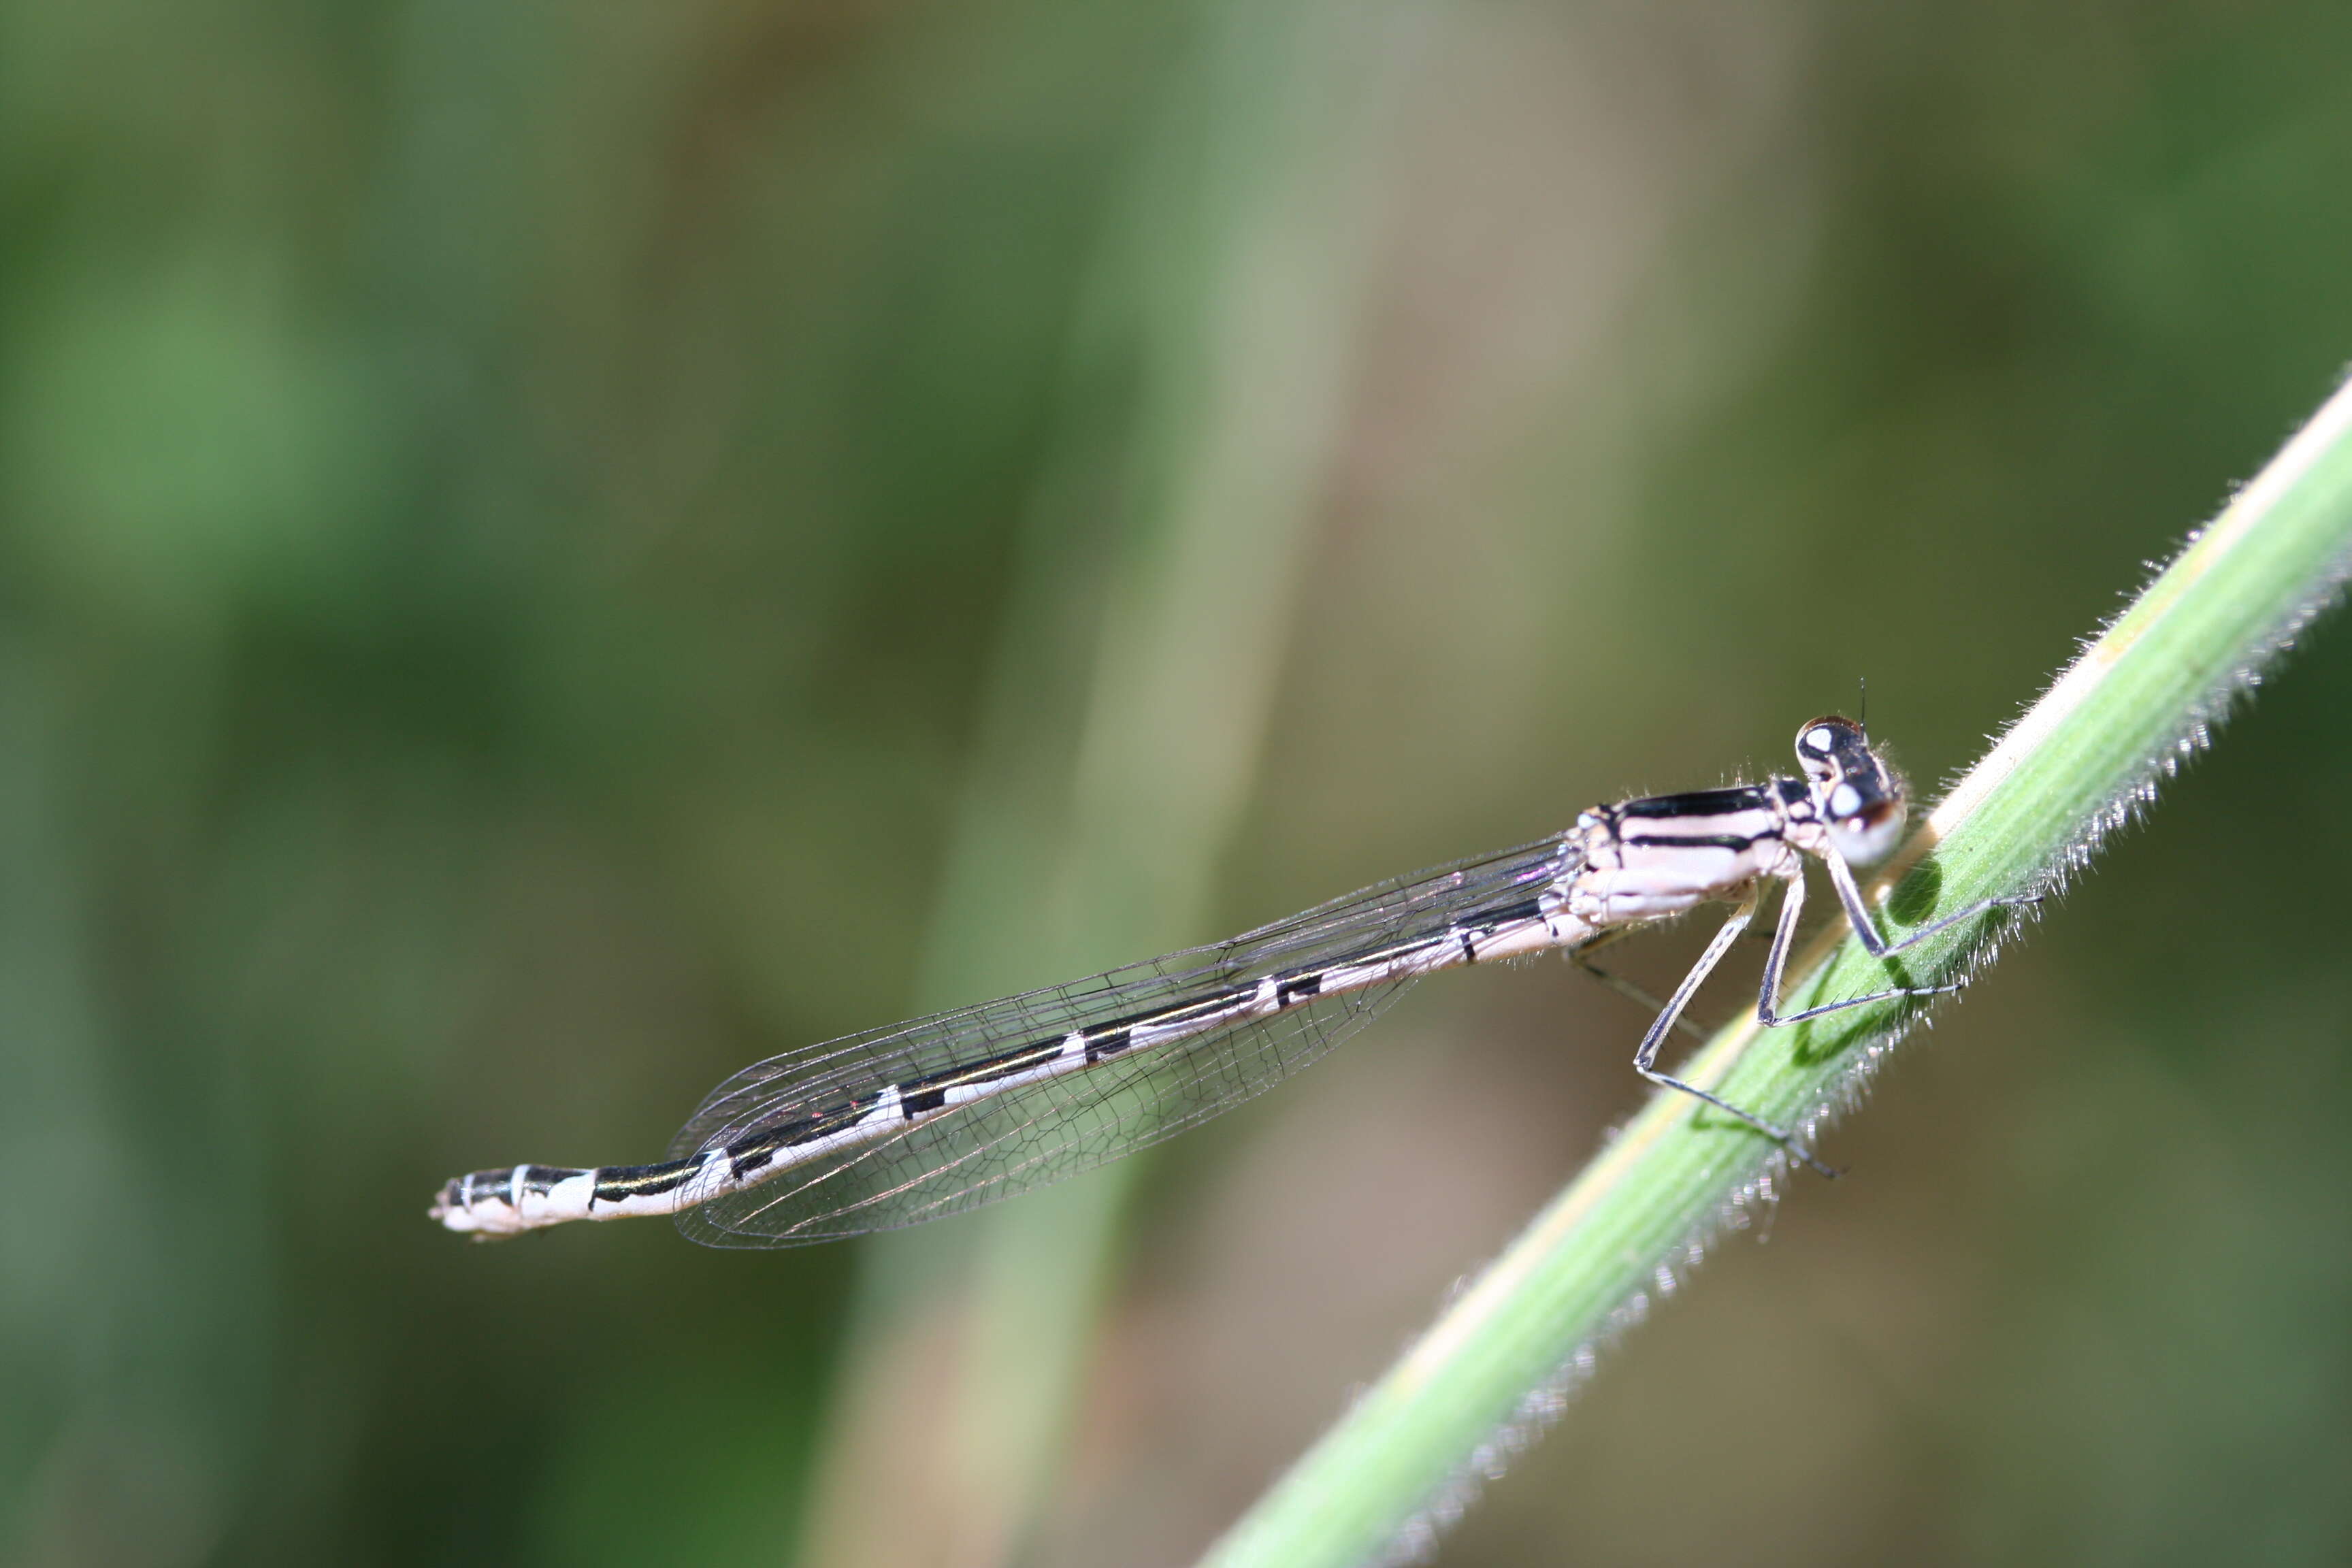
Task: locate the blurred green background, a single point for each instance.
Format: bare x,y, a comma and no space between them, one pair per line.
547,551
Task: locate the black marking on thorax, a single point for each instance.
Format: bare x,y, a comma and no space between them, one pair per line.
1726,802
1648,823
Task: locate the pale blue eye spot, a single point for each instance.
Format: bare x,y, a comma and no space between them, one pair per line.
1844,800
1822,739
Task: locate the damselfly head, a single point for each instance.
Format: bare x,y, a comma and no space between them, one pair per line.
1860,798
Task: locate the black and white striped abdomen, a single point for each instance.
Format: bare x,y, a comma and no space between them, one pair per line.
922,1118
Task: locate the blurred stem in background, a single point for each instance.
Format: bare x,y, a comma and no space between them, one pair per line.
1148,627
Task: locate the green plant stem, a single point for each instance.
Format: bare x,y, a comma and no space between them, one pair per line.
2141,698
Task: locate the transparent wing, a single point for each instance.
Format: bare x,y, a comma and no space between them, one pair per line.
1024,1137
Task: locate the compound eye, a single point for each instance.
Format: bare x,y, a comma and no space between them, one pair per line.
1828,746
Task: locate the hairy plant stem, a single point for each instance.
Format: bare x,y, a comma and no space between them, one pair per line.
2144,695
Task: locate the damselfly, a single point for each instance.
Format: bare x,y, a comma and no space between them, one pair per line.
919,1120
